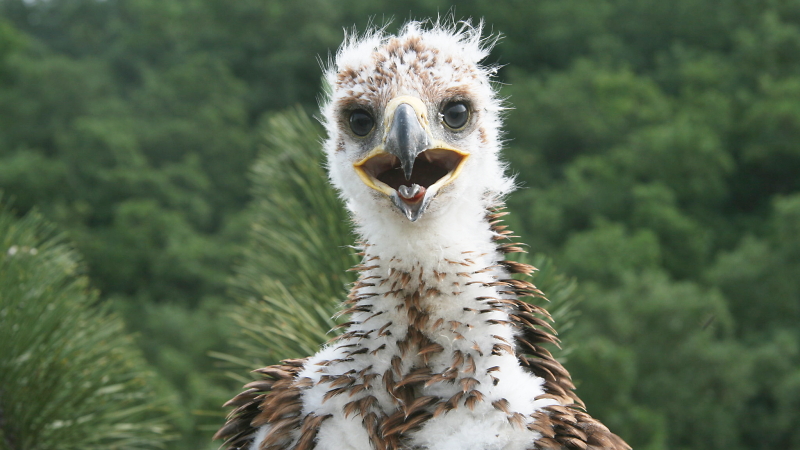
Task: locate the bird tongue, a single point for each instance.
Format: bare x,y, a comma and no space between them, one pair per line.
411,194
411,201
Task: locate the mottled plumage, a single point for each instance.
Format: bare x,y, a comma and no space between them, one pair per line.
441,351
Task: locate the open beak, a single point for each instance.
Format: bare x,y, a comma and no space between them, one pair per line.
409,166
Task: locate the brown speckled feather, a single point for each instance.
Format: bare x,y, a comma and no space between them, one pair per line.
274,399
563,426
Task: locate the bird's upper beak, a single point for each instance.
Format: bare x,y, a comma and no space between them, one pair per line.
409,165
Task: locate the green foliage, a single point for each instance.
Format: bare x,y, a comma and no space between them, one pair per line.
667,346
144,175
614,253
765,268
70,377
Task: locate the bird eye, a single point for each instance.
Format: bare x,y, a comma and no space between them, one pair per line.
455,115
361,122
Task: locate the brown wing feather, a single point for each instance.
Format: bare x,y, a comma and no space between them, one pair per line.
273,399
563,426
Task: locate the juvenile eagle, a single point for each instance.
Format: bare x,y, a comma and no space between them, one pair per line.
441,351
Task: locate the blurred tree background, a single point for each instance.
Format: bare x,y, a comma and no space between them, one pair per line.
658,144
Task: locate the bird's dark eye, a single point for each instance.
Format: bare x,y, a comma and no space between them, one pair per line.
361,122
455,115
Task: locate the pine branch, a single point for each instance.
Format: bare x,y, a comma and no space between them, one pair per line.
294,274
71,377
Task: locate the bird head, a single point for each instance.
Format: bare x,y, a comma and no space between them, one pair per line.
413,122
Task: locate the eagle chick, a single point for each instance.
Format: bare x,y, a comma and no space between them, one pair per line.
441,351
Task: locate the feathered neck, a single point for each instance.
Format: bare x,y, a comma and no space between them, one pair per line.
439,235
430,318
436,357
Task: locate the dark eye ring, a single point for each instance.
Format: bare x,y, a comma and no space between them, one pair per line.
455,115
361,122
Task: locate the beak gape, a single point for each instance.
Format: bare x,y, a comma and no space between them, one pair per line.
410,166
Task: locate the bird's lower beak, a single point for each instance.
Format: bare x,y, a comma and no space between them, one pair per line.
409,165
